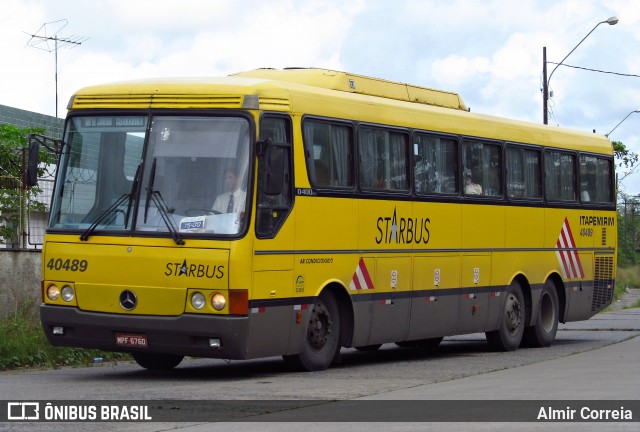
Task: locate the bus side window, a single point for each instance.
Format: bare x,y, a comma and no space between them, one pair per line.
595,179
435,164
560,176
329,154
482,168
523,173
383,159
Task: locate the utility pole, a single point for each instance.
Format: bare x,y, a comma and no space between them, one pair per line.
42,39
545,88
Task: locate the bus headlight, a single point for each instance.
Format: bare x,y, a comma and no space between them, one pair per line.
218,301
198,301
67,293
53,292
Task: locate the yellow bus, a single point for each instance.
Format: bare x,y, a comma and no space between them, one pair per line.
295,212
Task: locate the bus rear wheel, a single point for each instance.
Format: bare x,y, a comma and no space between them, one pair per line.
543,333
509,334
323,336
157,361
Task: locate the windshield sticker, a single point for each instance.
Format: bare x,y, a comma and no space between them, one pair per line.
192,223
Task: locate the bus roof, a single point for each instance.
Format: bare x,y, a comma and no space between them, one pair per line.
352,83
334,94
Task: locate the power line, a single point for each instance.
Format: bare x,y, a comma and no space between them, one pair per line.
597,70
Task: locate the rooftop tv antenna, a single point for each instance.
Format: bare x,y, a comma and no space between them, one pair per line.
47,39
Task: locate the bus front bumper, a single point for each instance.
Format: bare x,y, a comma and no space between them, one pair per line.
188,334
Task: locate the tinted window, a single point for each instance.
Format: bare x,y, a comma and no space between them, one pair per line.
595,180
481,168
436,164
383,159
560,176
329,152
523,173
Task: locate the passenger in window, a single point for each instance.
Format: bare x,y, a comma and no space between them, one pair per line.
231,201
471,188
383,183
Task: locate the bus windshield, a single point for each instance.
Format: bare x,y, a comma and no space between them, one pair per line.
190,179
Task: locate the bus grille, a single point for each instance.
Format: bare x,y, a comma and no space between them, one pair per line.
275,103
603,283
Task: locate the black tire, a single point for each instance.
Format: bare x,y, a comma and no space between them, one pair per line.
369,347
509,334
156,361
323,336
543,333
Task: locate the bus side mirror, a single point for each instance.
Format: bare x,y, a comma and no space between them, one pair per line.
273,157
33,159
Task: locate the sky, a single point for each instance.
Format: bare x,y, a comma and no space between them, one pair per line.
488,51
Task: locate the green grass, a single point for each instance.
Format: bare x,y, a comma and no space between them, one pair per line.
628,277
23,344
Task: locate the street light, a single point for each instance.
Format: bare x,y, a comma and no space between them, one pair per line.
545,91
635,111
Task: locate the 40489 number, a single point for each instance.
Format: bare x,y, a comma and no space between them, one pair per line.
67,265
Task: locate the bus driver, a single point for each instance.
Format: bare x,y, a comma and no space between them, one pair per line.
231,201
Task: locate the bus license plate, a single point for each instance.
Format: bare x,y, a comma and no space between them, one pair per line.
131,340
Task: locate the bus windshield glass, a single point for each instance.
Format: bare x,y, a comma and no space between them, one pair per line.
193,180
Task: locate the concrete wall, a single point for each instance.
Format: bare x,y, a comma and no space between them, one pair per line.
20,275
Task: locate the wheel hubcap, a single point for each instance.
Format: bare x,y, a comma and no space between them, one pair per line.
513,315
319,326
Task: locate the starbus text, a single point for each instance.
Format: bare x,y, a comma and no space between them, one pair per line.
403,230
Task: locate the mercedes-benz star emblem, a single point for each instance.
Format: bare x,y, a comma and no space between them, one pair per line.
128,300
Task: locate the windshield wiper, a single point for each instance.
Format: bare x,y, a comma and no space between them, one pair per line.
113,208
134,190
164,212
152,177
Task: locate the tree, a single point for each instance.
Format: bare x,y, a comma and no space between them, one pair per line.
14,197
628,206
626,159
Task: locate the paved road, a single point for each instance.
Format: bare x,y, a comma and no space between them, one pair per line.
596,359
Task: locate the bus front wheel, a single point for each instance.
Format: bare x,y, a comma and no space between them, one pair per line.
156,361
322,341
509,334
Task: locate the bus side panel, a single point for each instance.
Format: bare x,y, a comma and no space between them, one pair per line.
474,295
588,278
270,318
579,298
393,300
434,314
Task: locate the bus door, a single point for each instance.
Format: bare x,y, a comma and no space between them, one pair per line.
270,314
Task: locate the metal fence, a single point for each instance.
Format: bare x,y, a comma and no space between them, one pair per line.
37,221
